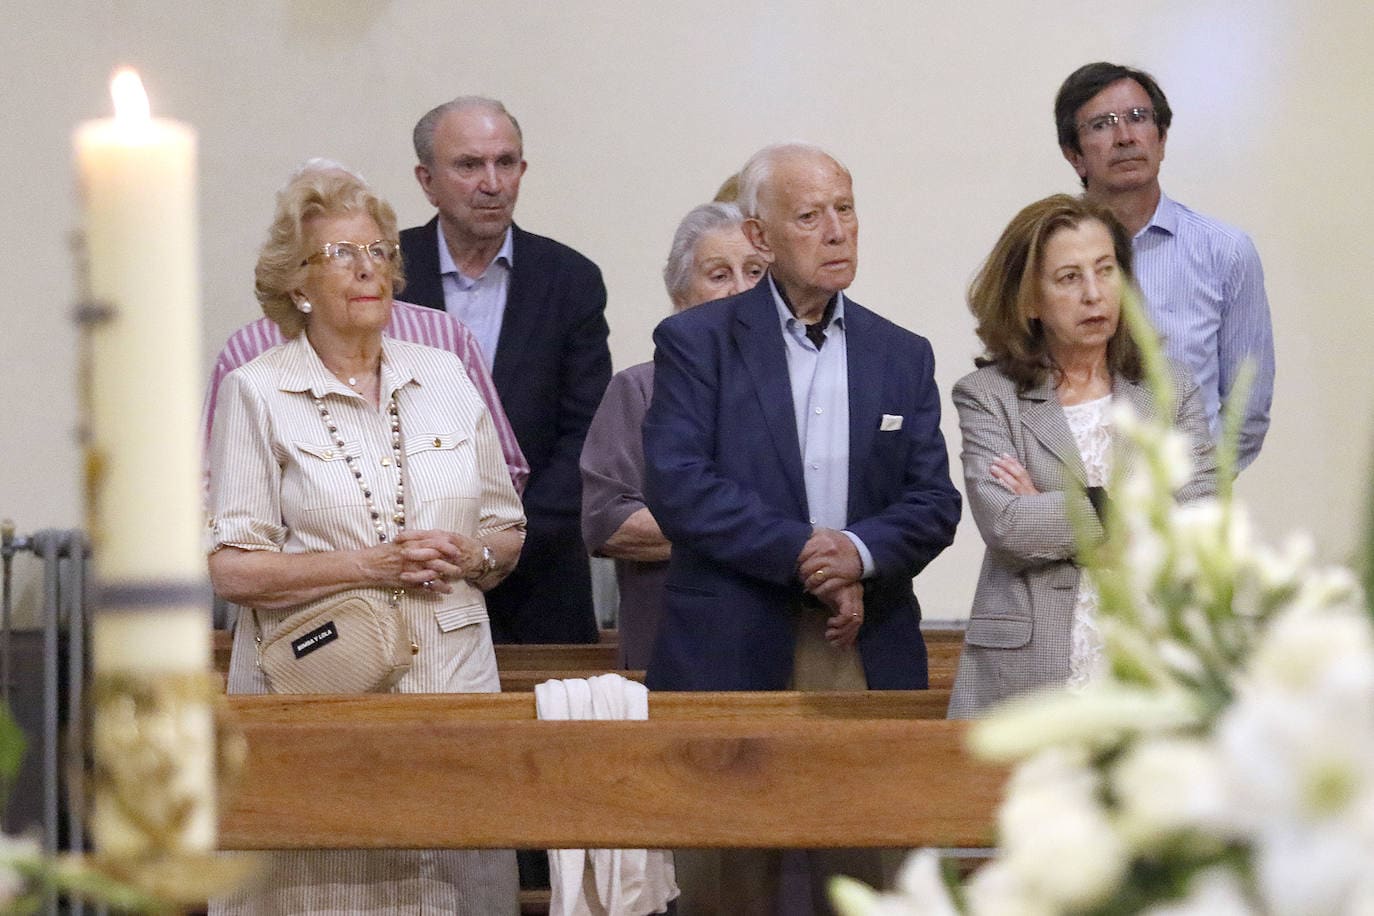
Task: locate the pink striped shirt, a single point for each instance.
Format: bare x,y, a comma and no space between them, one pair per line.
414,323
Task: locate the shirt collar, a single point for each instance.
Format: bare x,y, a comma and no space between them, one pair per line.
786,317
303,370
446,265
1165,217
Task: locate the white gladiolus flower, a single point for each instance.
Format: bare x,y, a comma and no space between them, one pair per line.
1307,872
1179,657
14,852
996,890
854,898
1294,761
1209,540
1214,892
920,891
1125,420
1168,785
1328,653
1136,655
920,882
1227,755
1074,859
1177,458
1135,496
1284,568
1055,835
1098,716
1326,588
1145,555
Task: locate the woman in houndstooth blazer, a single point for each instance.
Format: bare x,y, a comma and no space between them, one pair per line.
1036,423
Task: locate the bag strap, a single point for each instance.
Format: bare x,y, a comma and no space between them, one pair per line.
257,636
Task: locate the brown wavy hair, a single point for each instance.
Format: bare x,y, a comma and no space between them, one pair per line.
1007,286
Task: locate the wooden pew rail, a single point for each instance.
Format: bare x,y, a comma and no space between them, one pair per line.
707,770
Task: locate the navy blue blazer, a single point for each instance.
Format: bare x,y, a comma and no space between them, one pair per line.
552,361
724,480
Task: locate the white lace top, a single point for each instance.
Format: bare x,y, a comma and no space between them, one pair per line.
1090,423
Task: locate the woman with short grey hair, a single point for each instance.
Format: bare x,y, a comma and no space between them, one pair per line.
710,258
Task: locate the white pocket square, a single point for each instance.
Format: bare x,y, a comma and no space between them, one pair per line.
890,422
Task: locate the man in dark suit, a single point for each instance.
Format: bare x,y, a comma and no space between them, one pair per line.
538,310
794,458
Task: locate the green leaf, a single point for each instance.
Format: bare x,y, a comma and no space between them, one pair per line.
11,750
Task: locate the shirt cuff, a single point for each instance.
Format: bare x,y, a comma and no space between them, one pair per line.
864,555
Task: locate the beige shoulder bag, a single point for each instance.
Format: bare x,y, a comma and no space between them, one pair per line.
352,642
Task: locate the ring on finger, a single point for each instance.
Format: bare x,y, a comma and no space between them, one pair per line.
427,584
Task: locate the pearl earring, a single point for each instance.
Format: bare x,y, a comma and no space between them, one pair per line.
305,306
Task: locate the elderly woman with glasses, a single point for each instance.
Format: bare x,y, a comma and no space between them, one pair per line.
343,460
710,258
1036,419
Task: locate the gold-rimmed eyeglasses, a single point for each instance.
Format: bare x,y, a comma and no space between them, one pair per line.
1131,117
349,254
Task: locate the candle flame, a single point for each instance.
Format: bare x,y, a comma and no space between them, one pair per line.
130,101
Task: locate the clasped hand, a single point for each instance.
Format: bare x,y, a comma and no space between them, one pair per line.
434,559
830,568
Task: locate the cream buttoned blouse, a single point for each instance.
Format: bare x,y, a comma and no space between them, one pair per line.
278,481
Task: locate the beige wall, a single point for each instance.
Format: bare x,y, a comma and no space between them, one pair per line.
633,112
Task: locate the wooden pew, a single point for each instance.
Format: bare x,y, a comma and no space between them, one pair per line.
523,666
707,770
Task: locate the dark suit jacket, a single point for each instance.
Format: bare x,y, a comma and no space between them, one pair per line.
724,480
552,361
550,368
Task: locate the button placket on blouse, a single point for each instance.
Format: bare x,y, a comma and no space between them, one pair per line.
375,458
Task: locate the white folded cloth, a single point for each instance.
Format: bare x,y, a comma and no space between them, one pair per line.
623,882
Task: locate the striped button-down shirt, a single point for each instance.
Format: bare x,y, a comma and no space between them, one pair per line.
1204,290
408,322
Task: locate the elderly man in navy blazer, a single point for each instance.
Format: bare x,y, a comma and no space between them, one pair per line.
794,459
537,308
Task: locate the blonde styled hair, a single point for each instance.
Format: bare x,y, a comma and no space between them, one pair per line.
320,187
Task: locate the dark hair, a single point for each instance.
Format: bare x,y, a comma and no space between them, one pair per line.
1007,285
1090,79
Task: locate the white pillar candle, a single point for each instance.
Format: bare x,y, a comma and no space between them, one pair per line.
137,187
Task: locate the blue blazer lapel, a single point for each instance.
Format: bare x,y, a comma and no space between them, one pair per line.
865,397
759,341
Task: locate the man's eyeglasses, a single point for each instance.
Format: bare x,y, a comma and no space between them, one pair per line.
349,254
1131,117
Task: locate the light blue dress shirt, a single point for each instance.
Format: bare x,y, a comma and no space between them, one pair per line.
479,303
1204,291
820,402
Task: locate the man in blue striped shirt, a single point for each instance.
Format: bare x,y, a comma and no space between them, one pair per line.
1202,279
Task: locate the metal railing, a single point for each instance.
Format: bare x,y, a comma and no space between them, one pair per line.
57,729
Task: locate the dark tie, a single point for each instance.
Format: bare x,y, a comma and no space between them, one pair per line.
816,332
